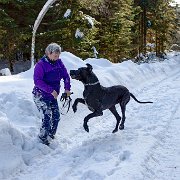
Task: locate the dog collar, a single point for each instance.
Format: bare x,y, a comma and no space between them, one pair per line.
91,84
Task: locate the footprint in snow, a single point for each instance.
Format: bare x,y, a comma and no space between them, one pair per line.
124,156
91,175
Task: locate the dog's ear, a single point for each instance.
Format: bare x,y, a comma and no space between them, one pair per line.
89,67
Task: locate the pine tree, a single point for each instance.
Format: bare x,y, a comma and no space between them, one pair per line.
16,21
63,29
155,24
116,18
164,23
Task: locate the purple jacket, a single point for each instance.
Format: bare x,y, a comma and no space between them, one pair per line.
47,77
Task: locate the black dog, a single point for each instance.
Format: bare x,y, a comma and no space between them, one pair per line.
99,98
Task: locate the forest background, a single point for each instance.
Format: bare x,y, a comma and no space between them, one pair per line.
117,30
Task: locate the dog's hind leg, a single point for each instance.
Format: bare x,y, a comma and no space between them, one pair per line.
86,119
117,116
123,104
123,109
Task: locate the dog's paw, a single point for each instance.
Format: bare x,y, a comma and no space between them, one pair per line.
86,127
74,108
115,130
121,127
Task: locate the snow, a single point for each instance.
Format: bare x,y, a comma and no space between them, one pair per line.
90,20
79,34
5,72
95,52
152,45
67,13
177,1
148,148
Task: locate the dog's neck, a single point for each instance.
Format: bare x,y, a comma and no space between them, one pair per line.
92,84
91,80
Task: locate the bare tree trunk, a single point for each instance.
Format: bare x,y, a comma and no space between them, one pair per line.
144,30
36,25
11,65
156,44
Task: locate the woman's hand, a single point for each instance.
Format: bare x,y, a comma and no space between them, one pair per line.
68,93
55,95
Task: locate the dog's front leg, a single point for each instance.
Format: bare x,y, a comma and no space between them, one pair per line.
78,100
86,119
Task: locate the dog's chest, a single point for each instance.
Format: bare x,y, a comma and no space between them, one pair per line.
88,101
89,107
92,101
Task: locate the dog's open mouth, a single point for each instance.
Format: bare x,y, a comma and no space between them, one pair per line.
74,74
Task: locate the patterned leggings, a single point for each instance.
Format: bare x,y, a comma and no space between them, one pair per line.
50,116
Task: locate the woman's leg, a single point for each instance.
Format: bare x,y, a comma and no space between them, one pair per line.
55,118
44,106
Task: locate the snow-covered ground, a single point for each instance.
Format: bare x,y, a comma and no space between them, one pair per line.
147,149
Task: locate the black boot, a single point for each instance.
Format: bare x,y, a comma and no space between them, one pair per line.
44,140
51,136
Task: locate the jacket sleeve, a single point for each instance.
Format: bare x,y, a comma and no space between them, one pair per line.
66,78
38,79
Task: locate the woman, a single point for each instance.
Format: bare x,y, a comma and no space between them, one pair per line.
47,75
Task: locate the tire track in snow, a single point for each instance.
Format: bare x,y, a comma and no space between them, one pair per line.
149,124
163,160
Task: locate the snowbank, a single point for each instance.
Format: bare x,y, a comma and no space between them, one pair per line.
5,72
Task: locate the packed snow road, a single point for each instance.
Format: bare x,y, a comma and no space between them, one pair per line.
163,161
148,147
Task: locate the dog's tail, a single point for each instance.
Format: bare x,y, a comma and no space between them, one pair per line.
137,100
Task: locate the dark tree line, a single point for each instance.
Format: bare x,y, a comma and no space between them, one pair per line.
119,29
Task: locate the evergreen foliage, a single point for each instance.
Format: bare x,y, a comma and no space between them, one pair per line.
16,20
117,29
155,24
116,19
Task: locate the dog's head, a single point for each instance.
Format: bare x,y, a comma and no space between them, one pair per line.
82,73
